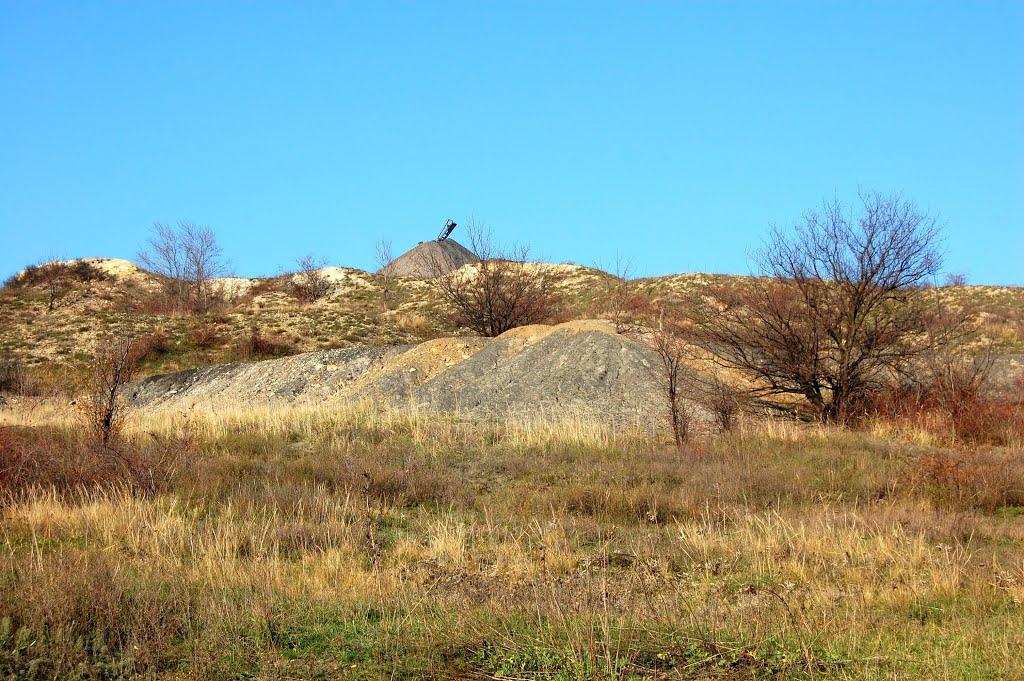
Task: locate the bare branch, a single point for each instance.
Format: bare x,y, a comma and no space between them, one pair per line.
842,309
500,292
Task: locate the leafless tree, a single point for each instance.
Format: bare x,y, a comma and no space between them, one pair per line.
724,400
500,292
668,337
955,279
54,275
842,306
618,299
186,258
311,284
103,407
385,272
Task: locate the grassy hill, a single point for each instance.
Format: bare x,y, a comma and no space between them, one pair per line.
360,540
262,317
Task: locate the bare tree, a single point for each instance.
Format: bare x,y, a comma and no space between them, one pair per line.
385,272
186,258
103,407
955,279
724,400
842,307
500,292
668,337
624,304
54,276
311,284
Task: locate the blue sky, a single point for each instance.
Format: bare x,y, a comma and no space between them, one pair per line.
672,134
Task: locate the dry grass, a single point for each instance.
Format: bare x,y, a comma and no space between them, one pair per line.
351,541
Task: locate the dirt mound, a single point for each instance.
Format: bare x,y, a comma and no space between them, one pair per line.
309,376
432,258
578,369
582,369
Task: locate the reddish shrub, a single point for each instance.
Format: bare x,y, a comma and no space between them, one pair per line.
260,344
31,458
954,401
977,479
204,335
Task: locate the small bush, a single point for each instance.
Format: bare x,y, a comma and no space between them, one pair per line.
979,479
955,407
204,335
103,408
14,375
725,402
44,273
34,458
86,272
260,344
157,342
309,284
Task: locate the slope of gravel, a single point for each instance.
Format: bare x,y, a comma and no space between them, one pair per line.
309,376
431,258
578,369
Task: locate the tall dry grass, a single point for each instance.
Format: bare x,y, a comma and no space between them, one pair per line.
355,541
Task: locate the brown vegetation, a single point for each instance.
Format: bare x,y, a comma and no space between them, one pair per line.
311,285
498,293
103,407
841,311
368,544
186,259
385,272
952,398
668,337
259,343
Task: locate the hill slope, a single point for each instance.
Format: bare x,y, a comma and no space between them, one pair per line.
53,331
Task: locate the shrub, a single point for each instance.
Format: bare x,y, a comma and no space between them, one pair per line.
204,335
34,458
103,408
977,479
309,284
156,342
260,344
501,292
14,376
725,402
86,272
952,400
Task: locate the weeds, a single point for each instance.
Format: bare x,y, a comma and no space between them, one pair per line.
362,542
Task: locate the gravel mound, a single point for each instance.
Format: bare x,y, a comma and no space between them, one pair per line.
432,258
573,370
310,376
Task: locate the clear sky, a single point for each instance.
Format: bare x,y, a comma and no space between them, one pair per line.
673,134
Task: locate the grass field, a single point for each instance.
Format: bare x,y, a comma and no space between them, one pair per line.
351,542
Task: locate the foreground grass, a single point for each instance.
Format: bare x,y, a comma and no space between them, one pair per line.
359,543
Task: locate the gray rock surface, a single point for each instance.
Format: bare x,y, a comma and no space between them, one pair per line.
310,376
432,258
585,373
575,370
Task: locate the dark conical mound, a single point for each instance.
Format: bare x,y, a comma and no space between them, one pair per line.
431,259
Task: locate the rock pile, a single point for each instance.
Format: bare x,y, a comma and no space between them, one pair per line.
578,369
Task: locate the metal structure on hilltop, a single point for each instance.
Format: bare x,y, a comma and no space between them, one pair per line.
449,227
